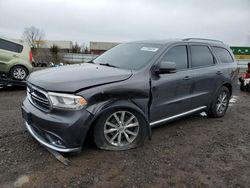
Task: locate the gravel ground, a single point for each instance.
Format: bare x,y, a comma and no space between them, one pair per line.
192,152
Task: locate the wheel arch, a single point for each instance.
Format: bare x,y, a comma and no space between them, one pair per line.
19,62
19,66
118,104
229,87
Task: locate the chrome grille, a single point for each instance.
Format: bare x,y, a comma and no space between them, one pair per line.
38,98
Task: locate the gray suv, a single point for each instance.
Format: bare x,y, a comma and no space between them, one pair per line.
128,90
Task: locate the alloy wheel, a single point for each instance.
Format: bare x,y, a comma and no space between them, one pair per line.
222,102
19,73
121,128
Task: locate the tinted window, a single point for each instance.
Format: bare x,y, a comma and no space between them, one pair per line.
10,46
223,55
201,56
129,55
177,54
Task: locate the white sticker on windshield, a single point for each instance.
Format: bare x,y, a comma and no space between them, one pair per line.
149,49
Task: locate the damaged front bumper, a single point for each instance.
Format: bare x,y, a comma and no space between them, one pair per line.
59,130
52,144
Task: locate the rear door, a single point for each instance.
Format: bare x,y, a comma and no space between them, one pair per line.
205,74
171,92
8,51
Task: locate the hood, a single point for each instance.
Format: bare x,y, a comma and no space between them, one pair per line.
77,77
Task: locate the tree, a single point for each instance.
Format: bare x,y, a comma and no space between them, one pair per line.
34,36
86,50
76,48
54,50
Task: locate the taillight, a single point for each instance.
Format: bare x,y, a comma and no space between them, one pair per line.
30,56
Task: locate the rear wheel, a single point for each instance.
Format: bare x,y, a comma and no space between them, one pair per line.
18,73
120,130
220,103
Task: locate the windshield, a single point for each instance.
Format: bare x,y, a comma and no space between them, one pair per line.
131,56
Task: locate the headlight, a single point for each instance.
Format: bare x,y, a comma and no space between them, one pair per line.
67,101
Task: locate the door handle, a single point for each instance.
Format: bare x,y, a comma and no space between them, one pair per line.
219,72
187,78
15,55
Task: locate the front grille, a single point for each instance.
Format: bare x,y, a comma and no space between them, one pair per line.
38,98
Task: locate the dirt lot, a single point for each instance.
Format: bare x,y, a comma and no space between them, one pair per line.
193,152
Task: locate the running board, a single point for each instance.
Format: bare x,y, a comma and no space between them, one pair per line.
178,115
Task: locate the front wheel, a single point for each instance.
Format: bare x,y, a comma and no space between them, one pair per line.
220,103
120,130
19,73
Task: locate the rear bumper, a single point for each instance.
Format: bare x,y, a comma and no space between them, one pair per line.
60,130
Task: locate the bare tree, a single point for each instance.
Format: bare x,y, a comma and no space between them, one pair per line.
34,36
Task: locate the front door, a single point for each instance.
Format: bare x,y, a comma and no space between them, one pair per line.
171,92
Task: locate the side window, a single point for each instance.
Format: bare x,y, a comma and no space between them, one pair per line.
223,54
177,54
201,56
10,46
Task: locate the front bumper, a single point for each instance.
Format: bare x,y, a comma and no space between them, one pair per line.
60,130
45,143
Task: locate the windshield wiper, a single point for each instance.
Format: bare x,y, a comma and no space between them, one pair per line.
91,61
108,65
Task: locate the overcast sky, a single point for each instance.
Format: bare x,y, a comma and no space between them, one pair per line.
127,20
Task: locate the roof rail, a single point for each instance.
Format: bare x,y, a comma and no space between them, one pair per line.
187,39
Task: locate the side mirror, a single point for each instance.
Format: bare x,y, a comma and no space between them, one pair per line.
166,67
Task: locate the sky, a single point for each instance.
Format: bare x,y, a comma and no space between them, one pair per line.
128,20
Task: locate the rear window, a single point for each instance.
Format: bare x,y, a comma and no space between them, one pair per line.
201,56
10,46
223,54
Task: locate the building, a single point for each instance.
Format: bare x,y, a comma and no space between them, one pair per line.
98,48
64,46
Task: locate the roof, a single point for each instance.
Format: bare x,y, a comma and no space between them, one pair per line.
193,40
157,41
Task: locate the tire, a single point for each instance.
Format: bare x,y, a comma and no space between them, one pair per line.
19,73
220,103
109,134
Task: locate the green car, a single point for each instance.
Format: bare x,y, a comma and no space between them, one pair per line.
15,59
